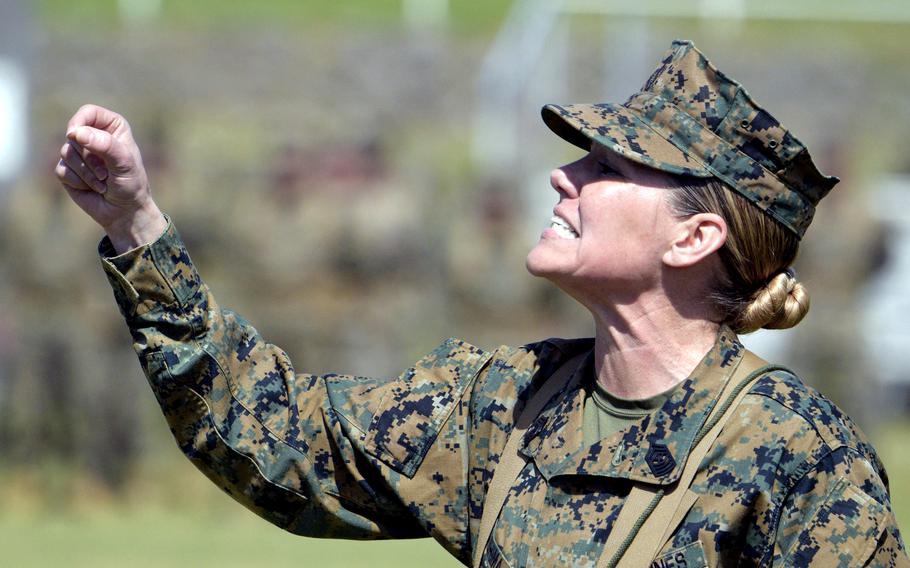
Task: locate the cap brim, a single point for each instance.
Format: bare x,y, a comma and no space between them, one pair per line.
619,129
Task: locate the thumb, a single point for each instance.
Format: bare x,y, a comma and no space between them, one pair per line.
115,154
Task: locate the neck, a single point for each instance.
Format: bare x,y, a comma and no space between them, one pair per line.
642,353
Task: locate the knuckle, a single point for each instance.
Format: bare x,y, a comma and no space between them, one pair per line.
103,141
78,117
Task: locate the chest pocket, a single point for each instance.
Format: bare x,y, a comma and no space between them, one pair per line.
416,405
843,531
689,556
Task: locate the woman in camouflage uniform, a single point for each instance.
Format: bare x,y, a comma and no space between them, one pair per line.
676,231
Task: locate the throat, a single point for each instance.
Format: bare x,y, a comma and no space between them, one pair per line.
636,367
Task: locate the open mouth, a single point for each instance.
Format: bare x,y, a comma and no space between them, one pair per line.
562,228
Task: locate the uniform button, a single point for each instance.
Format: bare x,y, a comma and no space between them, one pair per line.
660,460
772,144
744,123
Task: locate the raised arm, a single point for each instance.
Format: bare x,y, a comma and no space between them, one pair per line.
327,456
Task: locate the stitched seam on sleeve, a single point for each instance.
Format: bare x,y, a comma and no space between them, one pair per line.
227,444
870,543
349,421
809,467
229,379
838,485
156,262
801,472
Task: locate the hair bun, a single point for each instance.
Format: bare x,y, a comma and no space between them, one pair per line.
780,304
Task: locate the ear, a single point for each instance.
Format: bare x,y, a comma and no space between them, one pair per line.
695,238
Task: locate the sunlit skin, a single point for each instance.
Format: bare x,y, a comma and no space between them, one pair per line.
101,169
639,269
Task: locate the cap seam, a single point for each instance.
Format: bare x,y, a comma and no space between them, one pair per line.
739,89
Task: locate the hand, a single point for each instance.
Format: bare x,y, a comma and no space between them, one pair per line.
101,170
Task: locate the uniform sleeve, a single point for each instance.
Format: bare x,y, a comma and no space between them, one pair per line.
838,514
324,456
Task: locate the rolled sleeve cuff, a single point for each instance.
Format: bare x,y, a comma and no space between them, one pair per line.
158,274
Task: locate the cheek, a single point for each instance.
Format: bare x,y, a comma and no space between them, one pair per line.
622,234
608,221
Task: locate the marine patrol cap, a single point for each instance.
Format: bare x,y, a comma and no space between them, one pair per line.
691,119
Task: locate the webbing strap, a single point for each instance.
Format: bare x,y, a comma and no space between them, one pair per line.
510,461
650,512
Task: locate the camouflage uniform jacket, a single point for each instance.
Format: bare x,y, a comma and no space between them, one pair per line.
789,482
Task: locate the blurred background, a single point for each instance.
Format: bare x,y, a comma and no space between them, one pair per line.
362,179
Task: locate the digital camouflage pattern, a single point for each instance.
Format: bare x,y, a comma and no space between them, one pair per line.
689,118
789,482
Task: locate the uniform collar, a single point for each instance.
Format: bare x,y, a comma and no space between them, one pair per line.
651,450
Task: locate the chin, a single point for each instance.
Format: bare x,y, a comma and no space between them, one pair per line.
540,264
536,263
552,256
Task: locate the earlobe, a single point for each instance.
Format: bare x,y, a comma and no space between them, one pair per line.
697,237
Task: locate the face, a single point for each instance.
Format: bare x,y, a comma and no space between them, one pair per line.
609,230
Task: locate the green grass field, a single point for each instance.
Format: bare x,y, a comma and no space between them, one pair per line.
160,538
200,527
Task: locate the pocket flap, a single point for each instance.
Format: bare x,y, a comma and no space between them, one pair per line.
416,405
843,531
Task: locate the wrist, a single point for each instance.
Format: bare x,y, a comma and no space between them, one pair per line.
142,227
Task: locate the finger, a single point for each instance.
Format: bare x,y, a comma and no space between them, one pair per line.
95,116
95,163
113,152
77,195
73,160
69,178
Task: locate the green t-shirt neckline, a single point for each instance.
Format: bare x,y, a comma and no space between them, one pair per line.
605,413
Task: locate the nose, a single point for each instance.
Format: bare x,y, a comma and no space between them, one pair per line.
560,181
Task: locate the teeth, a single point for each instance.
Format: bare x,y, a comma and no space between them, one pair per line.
562,228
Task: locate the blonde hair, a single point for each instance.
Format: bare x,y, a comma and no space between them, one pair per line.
756,287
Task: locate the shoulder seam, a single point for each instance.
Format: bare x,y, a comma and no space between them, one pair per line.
832,443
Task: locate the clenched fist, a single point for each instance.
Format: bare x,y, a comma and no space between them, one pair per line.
101,168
